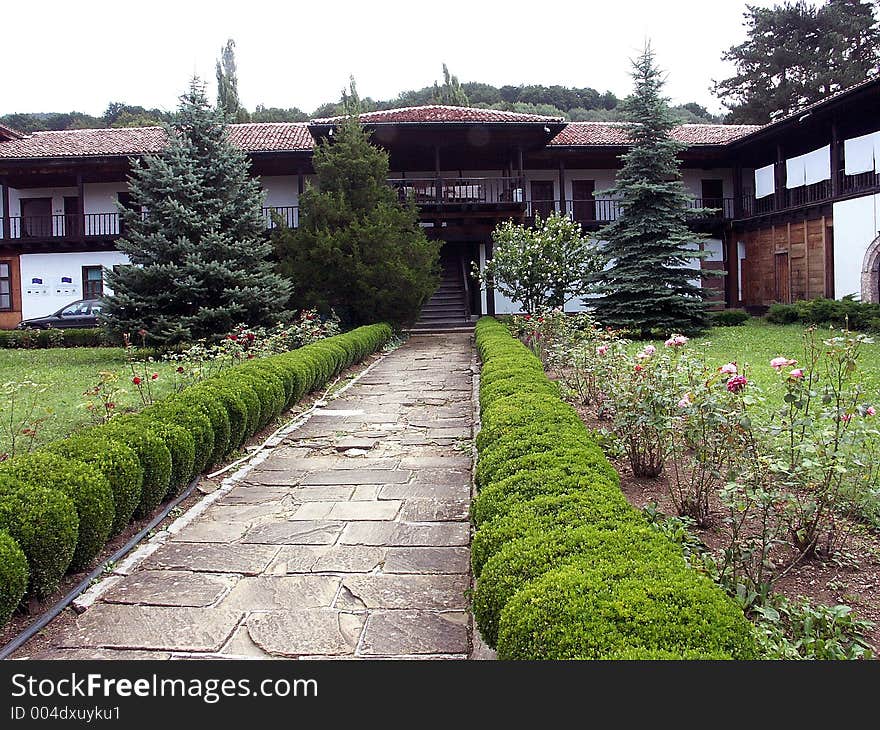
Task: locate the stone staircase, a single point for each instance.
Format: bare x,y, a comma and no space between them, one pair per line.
447,309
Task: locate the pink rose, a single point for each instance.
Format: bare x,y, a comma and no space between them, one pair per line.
649,349
729,369
676,341
736,383
602,349
869,411
797,374
846,417
685,401
777,363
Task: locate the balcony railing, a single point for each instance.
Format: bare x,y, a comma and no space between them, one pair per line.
460,191
73,227
598,211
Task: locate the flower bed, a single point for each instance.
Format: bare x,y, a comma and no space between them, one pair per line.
59,505
565,568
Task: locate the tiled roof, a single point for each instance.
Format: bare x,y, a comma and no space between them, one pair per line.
8,133
267,137
616,134
271,137
438,113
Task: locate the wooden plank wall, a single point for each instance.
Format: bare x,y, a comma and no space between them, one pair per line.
808,245
10,318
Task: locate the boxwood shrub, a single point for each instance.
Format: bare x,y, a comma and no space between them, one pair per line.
99,478
565,568
13,575
153,455
45,525
83,483
116,461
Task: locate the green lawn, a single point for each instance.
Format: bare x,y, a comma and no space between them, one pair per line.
66,373
754,344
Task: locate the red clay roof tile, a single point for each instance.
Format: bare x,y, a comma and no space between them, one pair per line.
616,134
438,113
268,137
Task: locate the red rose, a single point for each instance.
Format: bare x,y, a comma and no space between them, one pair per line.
251,336
111,405
180,368
250,356
136,380
154,376
639,368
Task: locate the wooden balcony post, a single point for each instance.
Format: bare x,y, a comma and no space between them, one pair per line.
7,232
81,208
835,160
779,179
737,191
562,187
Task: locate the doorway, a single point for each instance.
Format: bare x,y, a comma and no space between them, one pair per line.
583,202
783,278
36,217
542,197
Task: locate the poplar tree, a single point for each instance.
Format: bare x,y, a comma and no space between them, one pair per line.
649,249
195,237
227,85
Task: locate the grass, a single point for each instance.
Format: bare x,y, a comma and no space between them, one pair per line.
65,374
755,343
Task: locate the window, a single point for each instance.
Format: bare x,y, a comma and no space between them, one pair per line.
5,286
93,282
77,309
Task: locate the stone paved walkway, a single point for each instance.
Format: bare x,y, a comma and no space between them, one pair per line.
350,540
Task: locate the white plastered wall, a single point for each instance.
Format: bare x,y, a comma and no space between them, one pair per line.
855,228
40,299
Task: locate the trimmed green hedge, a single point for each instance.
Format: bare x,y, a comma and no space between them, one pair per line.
59,505
565,568
45,525
13,575
41,339
83,483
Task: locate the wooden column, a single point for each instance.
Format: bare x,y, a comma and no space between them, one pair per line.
562,187
300,184
835,160
779,178
81,207
7,233
490,290
438,181
737,191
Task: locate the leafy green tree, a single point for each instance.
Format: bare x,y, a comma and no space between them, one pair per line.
646,285
797,53
227,85
451,92
544,265
199,255
359,249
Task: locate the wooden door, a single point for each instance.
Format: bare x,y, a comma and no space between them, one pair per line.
36,217
783,278
583,201
542,197
72,223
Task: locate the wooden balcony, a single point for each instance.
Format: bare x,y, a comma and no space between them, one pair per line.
593,213
462,192
101,227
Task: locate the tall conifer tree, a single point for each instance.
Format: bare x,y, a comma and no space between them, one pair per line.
647,284
196,241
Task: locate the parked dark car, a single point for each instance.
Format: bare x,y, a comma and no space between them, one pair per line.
83,313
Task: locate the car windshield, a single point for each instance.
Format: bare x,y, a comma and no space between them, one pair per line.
75,309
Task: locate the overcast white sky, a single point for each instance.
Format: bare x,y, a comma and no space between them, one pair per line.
60,55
